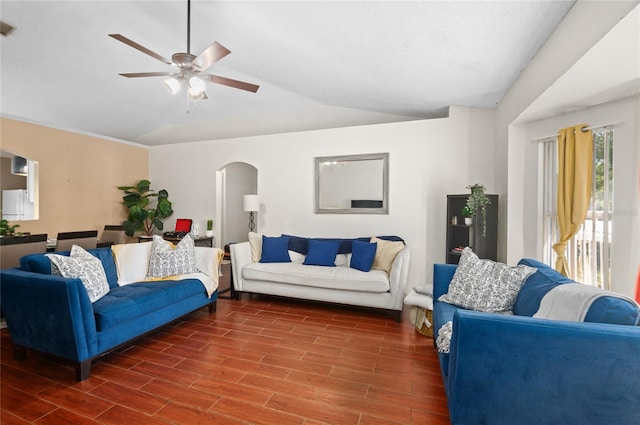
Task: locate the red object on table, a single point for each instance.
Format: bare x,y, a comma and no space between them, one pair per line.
183,225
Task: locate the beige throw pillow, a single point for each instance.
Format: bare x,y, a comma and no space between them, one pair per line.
255,240
386,253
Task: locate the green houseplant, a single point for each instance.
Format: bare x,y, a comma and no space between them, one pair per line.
209,232
143,215
467,213
5,229
477,203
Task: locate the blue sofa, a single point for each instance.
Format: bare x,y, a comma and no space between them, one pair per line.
506,370
53,314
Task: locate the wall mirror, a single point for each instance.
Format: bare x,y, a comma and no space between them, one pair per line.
352,184
19,187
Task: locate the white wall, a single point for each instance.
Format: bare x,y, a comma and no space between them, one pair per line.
585,24
428,159
626,169
240,180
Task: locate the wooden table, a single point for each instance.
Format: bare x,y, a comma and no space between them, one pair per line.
198,241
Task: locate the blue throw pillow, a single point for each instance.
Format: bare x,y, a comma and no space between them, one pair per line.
322,253
275,250
362,255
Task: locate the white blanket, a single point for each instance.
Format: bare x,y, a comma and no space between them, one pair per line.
571,301
209,285
132,263
423,301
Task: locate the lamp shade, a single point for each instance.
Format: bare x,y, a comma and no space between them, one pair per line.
173,85
251,203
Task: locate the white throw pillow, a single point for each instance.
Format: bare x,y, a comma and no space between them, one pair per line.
485,285
296,257
342,260
84,266
132,261
169,260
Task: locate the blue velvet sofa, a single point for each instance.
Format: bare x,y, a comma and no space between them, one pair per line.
53,314
507,370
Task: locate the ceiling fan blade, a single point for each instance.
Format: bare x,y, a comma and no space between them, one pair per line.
149,74
209,56
143,49
231,83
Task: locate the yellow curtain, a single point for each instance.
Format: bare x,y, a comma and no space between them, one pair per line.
575,176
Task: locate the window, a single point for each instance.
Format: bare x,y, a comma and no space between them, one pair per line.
588,253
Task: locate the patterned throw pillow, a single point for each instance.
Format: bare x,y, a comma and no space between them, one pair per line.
167,260
84,266
485,285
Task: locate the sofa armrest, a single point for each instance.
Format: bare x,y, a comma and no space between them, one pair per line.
517,369
442,275
240,257
48,313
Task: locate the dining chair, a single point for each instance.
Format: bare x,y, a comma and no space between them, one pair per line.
112,235
14,247
87,239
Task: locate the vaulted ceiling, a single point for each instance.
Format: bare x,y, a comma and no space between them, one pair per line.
319,64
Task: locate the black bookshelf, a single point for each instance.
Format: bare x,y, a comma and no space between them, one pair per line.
460,235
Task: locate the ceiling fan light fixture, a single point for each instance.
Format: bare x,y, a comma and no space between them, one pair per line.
173,85
196,86
189,66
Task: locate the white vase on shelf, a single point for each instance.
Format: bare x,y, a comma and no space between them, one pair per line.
468,221
209,233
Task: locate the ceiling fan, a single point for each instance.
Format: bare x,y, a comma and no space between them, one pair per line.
189,66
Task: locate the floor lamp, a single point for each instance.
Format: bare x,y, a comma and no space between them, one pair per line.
251,205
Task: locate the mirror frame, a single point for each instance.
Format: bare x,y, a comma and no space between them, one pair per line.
346,158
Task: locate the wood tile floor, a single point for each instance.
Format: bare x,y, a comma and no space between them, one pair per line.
261,360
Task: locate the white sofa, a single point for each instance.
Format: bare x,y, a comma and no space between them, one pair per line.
341,284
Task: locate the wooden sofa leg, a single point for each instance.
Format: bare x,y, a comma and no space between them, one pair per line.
238,295
19,352
213,306
83,370
397,316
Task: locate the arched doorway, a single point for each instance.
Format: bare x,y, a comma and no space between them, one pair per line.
233,181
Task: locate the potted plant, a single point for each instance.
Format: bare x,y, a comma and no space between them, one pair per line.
5,229
467,213
209,232
143,216
477,203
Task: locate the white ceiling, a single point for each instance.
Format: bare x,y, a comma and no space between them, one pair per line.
610,70
319,64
